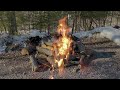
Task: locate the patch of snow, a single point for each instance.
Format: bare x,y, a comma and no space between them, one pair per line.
33,33
19,39
104,32
2,49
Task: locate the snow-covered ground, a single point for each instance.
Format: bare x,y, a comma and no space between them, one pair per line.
107,32
4,37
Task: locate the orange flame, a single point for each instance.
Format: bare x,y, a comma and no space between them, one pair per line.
62,46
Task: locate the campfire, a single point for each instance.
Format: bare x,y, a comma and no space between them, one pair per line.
62,45
61,52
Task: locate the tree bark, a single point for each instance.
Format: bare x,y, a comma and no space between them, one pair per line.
73,26
12,22
117,21
3,24
90,26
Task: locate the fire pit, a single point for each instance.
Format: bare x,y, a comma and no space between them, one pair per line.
63,51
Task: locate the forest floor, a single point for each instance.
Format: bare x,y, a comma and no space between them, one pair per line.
105,66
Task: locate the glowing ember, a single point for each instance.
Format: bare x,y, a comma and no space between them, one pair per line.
62,46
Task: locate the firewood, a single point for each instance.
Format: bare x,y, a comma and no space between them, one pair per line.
34,63
48,44
44,51
80,46
52,62
42,56
47,47
43,45
24,52
70,63
50,59
89,51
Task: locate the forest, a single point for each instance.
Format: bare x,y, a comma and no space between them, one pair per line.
15,21
59,44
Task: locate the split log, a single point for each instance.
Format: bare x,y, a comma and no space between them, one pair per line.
48,44
42,56
34,63
44,51
50,59
24,52
28,50
52,62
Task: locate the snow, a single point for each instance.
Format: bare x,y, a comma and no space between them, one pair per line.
19,39
2,49
33,33
104,32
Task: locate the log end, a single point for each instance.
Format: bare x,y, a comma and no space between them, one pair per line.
24,52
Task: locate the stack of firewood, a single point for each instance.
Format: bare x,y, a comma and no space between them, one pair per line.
44,50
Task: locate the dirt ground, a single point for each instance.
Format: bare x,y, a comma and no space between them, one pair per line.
106,65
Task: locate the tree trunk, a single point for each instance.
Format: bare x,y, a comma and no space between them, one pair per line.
12,22
48,29
29,20
84,24
73,26
99,22
90,26
104,21
110,21
111,18
117,21
3,24
95,22
75,23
